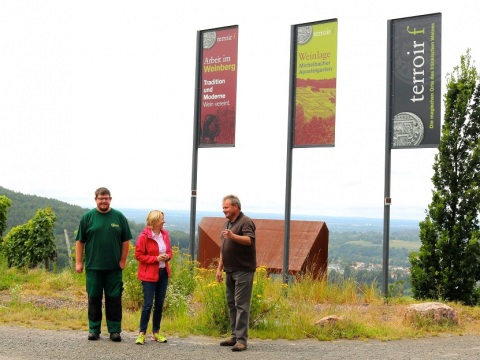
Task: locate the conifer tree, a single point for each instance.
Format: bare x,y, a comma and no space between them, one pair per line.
447,265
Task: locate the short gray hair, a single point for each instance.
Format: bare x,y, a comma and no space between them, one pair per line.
234,200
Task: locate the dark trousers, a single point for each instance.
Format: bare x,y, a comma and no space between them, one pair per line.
239,293
154,296
108,282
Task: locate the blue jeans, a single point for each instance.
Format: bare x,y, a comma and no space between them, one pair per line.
154,291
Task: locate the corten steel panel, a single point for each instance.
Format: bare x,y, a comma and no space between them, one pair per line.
308,245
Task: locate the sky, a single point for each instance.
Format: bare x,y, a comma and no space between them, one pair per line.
101,93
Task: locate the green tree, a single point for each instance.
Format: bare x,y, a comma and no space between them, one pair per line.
32,243
181,239
4,205
447,265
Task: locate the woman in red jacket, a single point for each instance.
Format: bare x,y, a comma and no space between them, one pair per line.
153,252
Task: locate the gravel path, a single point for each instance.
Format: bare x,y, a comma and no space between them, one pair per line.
17,343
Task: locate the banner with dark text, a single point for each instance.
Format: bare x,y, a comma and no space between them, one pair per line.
415,81
315,78
217,86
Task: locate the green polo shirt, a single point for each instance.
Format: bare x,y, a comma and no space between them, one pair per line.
103,235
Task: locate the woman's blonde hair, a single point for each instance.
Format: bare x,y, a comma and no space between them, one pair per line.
154,216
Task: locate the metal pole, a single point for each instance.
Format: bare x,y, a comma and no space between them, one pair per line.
388,142
69,248
288,182
196,124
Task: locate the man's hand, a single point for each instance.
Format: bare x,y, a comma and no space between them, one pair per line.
79,267
219,276
228,234
122,264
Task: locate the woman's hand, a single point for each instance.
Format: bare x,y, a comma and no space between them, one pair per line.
163,257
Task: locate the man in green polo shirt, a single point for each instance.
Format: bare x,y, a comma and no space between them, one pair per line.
105,236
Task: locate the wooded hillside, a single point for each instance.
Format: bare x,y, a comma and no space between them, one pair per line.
24,208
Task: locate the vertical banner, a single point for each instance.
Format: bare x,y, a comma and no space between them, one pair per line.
315,79
415,91
217,86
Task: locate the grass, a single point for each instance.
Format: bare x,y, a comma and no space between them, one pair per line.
403,244
195,305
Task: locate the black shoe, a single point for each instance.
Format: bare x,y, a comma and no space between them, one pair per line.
115,337
229,342
93,336
239,347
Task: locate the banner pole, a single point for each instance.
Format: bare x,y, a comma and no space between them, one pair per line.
288,181
388,151
196,122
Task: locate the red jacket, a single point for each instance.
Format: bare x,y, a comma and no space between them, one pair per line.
146,252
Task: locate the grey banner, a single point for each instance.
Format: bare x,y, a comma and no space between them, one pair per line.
415,81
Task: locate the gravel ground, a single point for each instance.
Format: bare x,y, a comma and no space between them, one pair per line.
17,343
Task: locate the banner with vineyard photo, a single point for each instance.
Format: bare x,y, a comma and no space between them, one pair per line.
315,79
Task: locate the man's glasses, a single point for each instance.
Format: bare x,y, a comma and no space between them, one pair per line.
104,198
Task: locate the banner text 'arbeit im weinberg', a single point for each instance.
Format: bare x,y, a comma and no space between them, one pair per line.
416,81
316,78
218,90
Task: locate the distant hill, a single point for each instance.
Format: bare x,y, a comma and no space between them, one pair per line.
351,239
24,207
180,220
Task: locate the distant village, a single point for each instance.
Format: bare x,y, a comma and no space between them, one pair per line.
396,272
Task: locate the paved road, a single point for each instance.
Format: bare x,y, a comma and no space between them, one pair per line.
18,343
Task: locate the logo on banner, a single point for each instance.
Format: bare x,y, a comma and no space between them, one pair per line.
209,39
304,34
408,129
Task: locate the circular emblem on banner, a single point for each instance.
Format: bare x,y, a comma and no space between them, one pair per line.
209,39
408,130
304,34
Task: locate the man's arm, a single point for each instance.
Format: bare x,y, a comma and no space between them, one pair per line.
241,239
220,269
123,258
79,256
